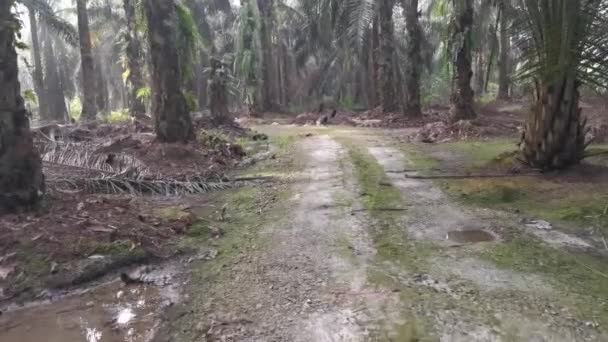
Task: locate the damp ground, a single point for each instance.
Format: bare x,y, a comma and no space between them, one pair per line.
350,242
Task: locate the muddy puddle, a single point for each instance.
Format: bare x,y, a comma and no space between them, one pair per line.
110,312
469,236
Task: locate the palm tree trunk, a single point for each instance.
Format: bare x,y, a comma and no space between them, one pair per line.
266,26
65,72
505,46
387,49
374,64
218,94
202,82
171,116
554,136
412,67
462,95
38,74
89,109
479,72
21,179
137,108
101,85
53,87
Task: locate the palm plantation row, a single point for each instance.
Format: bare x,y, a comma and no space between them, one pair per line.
169,58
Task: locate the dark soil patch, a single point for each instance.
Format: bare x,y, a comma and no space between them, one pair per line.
76,239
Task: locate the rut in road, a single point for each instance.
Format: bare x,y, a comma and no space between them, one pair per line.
302,287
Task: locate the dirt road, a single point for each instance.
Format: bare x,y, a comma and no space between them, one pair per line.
361,253
347,248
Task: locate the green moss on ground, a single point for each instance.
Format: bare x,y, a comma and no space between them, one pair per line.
419,159
571,206
248,210
480,154
582,276
389,234
391,241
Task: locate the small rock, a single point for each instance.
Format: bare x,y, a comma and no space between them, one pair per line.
216,232
538,224
96,257
6,271
590,324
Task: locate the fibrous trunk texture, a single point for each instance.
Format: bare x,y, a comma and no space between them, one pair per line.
89,109
137,108
172,120
218,94
102,96
21,179
388,96
266,26
38,74
53,90
414,63
504,61
462,95
374,64
554,135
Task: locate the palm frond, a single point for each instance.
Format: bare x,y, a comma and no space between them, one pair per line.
119,185
356,19
188,40
564,37
57,24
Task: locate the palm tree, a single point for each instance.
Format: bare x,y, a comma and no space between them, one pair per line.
53,89
171,116
43,19
21,179
137,108
265,8
505,47
462,95
365,26
412,67
386,81
565,44
89,107
37,58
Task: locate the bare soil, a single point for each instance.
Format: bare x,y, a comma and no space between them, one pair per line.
113,193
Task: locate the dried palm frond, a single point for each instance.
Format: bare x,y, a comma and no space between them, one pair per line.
137,187
86,156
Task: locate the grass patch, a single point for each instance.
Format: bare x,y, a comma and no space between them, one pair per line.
421,160
391,242
569,205
241,229
390,237
582,276
479,154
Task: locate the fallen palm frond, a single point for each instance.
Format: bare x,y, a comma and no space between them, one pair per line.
86,156
137,187
482,175
86,167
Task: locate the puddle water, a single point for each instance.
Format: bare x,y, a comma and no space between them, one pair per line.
108,313
470,236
